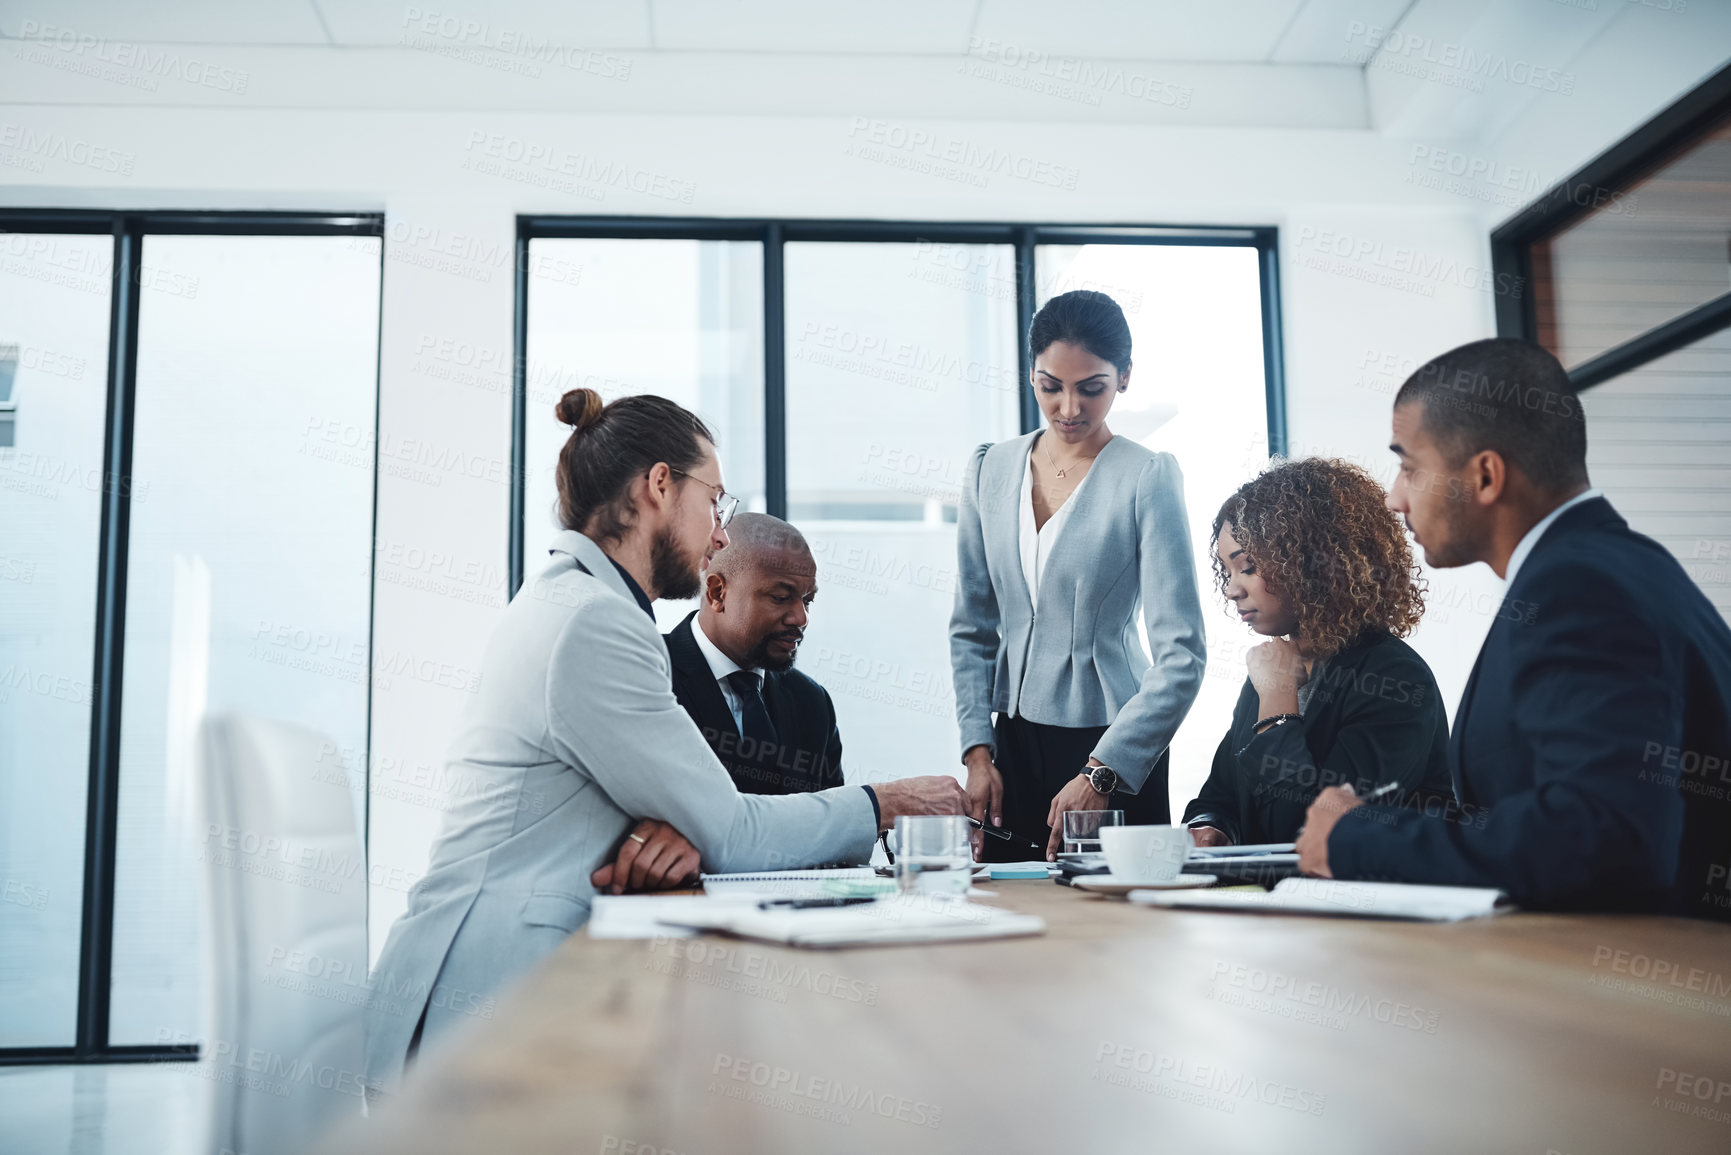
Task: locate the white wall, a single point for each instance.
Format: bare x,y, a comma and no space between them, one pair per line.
1378,274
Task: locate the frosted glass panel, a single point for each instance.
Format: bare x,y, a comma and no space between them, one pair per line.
255,434
54,294
682,319
901,358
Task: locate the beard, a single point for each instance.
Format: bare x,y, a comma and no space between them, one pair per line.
673,576
1459,540
761,658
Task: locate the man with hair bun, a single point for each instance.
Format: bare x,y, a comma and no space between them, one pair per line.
588,775
771,726
1591,752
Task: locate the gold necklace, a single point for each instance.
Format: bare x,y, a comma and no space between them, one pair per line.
1061,472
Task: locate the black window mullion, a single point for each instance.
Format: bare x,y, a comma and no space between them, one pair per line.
1027,298
1273,364
774,371
102,803
519,419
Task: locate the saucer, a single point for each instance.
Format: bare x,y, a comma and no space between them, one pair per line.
1112,884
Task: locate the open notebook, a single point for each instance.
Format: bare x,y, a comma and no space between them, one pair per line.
898,919
1347,899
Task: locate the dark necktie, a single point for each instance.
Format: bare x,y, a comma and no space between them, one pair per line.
753,713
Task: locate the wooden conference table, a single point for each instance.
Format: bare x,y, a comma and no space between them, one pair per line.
1121,1029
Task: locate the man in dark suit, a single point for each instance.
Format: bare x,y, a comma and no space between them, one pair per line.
771,726
1591,752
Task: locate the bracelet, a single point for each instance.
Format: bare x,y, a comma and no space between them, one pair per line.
1263,725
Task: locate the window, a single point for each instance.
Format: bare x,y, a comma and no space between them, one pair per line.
172,386
1631,279
901,358
53,372
264,356
888,352
679,318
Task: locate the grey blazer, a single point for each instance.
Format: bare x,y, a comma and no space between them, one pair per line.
574,736
1074,660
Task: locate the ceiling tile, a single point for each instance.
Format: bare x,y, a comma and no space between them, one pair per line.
182,22
908,27
1243,30
504,25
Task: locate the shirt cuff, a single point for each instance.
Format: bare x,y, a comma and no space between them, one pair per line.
877,811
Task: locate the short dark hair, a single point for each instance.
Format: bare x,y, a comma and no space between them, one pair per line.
1082,317
609,446
1509,396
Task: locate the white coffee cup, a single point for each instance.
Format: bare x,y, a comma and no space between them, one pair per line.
1146,853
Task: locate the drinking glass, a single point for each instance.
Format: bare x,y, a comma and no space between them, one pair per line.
1082,829
933,854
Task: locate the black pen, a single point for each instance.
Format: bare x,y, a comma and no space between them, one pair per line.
1006,835
807,903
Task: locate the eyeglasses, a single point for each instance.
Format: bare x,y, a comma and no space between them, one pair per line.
725,502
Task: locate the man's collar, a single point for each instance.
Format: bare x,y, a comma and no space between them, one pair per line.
587,552
636,590
719,663
1525,548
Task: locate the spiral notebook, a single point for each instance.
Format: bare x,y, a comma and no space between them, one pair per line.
824,882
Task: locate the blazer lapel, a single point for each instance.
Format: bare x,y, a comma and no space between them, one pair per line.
694,681
1003,492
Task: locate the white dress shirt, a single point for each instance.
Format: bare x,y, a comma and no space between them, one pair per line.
1036,544
721,665
1534,534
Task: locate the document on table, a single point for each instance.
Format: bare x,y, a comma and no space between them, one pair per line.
829,882
1255,848
1341,898
1033,868
643,915
902,918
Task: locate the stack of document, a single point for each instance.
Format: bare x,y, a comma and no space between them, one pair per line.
901,918
1335,897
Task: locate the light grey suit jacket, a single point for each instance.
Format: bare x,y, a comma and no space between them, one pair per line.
1074,660
575,736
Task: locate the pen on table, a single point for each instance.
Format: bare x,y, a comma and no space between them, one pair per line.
807,903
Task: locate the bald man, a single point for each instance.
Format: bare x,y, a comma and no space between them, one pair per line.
771,726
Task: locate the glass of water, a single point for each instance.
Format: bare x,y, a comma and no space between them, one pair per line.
933,854
1082,829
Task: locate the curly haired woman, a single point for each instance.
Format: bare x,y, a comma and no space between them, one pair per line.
1309,557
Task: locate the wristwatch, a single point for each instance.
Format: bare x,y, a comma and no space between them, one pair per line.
1103,779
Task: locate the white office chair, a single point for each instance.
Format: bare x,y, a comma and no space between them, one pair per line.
285,935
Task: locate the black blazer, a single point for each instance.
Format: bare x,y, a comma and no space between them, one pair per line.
1592,747
808,756
1374,717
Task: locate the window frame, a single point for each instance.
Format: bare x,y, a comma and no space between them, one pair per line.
775,234
102,798
1616,170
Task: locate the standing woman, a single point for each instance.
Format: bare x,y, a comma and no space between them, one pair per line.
1064,535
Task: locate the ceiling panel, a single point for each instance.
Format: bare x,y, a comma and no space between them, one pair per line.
1242,30
502,25
910,27
180,22
1335,31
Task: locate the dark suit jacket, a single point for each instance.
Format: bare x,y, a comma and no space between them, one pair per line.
1592,747
807,758
1374,717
